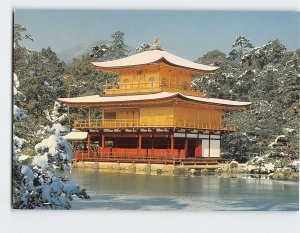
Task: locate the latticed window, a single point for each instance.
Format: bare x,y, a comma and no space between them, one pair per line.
126,84
164,82
151,82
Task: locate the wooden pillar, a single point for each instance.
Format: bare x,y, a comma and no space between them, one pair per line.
209,145
152,145
220,147
186,145
172,144
139,143
102,118
89,145
89,117
116,142
102,143
185,117
99,146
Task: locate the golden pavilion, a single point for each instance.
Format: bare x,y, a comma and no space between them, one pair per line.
152,115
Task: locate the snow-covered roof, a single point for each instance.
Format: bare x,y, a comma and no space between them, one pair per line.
154,56
97,99
217,101
76,135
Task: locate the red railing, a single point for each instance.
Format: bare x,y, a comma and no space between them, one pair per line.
129,153
164,157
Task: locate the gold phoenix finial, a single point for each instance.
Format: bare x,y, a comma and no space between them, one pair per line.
155,46
156,40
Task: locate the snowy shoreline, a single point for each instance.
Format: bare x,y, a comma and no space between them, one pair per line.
228,170
275,169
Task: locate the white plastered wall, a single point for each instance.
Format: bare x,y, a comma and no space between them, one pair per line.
215,148
205,148
211,149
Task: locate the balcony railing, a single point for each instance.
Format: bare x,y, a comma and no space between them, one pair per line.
148,87
153,122
160,156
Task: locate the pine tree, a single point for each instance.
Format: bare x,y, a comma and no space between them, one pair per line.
118,47
214,58
115,50
272,52
100,51
240,46
20,54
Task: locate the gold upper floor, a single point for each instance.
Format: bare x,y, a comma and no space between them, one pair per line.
152,79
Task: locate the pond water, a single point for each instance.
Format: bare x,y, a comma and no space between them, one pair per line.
122,191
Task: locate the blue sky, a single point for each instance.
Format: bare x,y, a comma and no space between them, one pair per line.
189,34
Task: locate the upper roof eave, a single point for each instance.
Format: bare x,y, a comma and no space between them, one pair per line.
152,57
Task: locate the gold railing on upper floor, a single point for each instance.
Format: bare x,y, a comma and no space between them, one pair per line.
148,87
152,123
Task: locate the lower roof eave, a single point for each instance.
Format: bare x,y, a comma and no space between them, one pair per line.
101,101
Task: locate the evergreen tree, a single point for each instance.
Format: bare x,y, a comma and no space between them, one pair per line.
240,46
100,51
20,54
41,75
118,47
272,52
214,58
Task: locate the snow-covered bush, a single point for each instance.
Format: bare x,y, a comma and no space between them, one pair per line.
36,183
55,116
54,149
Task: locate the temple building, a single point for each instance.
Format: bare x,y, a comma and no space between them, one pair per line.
151,114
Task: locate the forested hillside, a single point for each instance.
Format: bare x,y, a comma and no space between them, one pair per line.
267,76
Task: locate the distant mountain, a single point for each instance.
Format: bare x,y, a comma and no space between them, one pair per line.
83,49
